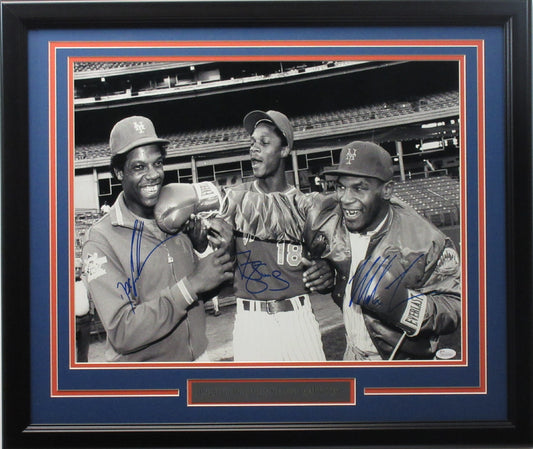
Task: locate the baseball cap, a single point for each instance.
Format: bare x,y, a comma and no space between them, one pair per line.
133,132
364,159
279,120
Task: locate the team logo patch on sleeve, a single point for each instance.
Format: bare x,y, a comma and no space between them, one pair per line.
448,262
94,266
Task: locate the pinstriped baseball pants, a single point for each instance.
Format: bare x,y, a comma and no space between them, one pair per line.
283,336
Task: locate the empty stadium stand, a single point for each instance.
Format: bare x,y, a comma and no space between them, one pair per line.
306,126
436,198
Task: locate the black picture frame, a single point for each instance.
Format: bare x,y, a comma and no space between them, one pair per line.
18,18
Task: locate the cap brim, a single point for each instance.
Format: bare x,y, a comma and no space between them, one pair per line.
141,142
337,172
252,118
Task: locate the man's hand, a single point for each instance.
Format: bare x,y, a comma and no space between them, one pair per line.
220,235
211,271
318,276
197,233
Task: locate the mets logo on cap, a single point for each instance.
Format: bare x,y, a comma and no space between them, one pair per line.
139,127
351,154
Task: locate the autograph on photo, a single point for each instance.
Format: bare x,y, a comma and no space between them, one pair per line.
136,264
369,279
256,280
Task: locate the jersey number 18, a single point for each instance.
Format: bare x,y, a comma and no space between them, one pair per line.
289,252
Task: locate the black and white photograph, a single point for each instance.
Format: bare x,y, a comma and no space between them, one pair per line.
265,223
291,211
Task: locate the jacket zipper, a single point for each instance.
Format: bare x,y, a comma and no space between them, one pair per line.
170,261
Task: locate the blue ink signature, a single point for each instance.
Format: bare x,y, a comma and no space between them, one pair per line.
370,275
256,280
129,287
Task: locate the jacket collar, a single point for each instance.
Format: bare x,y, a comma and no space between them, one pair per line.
121,215
385,226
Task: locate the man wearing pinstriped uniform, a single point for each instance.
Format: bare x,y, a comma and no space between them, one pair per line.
274,319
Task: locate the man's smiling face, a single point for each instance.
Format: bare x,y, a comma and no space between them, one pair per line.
363,201
142,179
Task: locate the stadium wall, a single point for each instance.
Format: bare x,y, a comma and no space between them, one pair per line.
86,191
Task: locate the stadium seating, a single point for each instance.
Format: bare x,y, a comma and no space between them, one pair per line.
435,198
80,67
324,121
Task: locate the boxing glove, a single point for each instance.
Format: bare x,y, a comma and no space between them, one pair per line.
379,287
177,202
